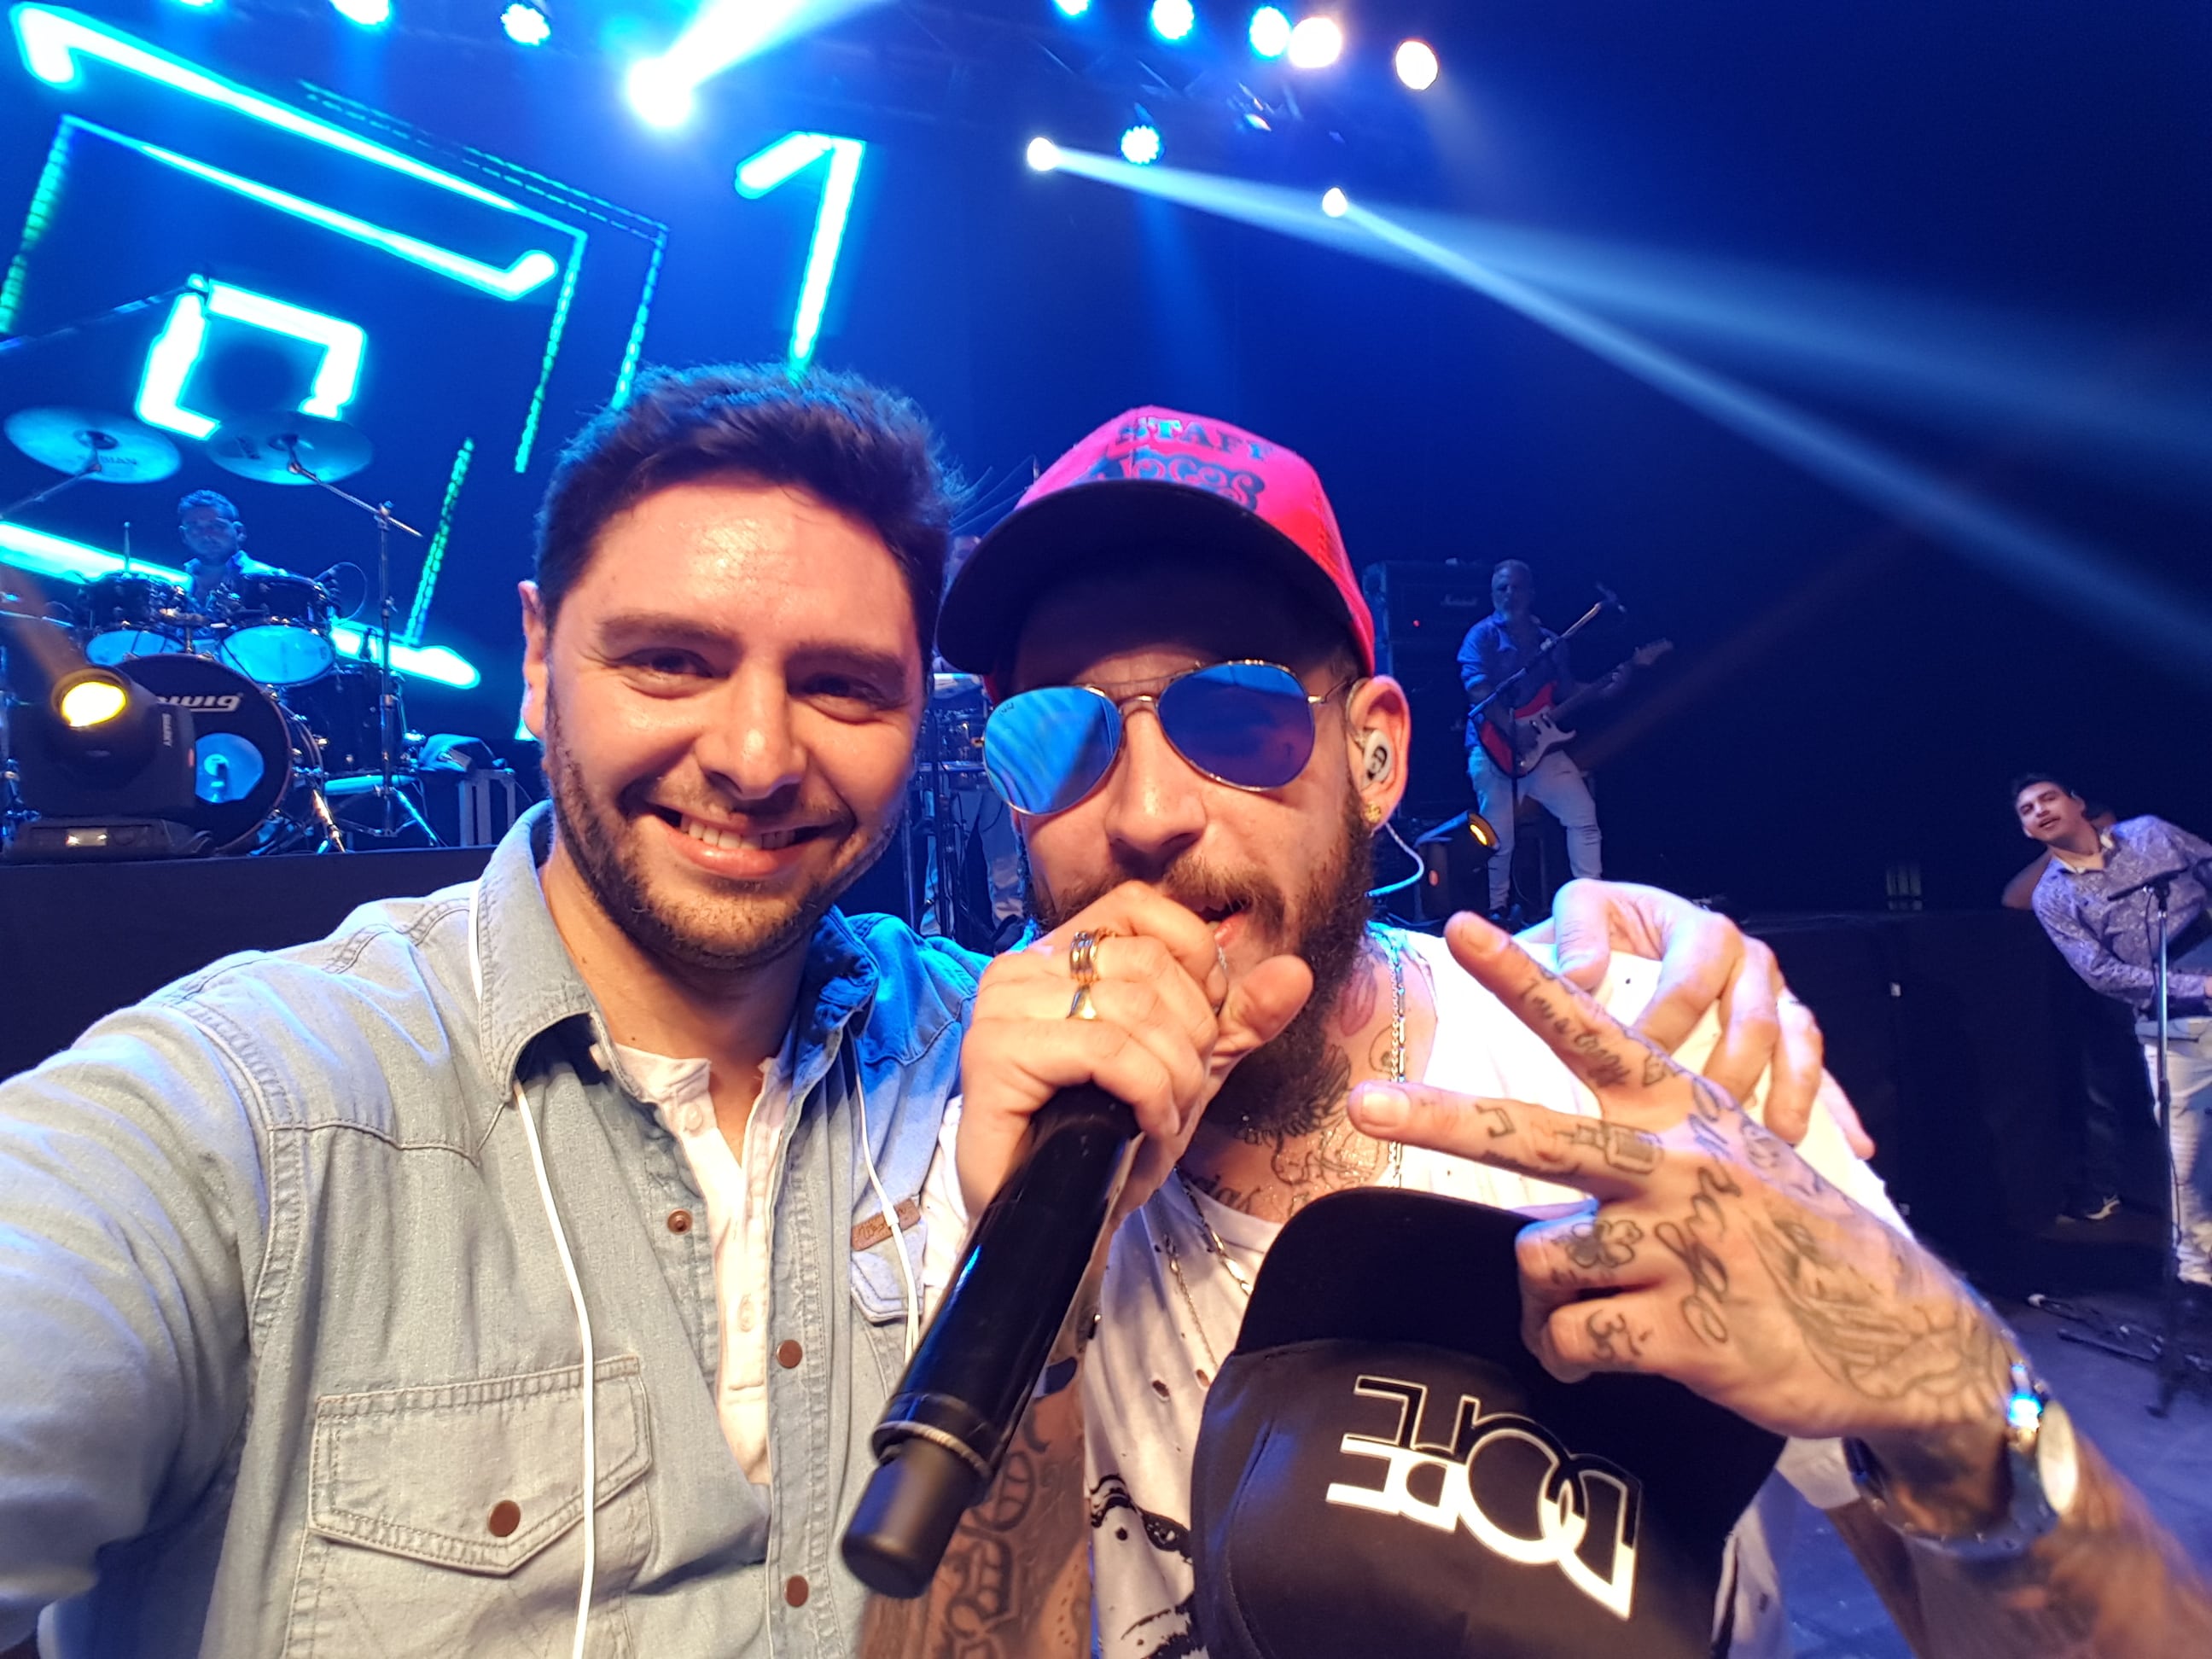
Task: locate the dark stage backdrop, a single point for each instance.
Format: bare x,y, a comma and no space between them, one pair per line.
1846,701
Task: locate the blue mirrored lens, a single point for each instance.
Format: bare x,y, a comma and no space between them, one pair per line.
1247,724
1046,749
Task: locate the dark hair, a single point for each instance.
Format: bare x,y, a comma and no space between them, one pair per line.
862,450
207,498
1505,565
2030,780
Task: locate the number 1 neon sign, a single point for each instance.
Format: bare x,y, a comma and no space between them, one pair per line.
786,158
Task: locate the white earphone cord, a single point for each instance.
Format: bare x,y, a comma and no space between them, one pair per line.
575,1298
890,1215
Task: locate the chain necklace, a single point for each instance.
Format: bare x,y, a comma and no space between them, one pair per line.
1394,949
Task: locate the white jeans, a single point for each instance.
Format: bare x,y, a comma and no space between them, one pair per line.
2189,1072
1556,786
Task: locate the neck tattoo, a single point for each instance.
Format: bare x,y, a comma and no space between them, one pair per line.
1392,1175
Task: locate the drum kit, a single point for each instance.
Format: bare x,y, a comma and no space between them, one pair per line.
283,721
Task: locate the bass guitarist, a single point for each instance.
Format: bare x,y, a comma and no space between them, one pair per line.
1510,652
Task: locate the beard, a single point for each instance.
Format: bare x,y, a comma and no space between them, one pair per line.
740,927
1292,1085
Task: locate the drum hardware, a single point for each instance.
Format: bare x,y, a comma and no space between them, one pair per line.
271,448
87,444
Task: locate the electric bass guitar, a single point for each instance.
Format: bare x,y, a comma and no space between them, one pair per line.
1536,723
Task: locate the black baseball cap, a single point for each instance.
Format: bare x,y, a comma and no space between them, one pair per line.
1385,1468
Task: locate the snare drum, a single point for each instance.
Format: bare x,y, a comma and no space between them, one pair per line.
126,615
279,630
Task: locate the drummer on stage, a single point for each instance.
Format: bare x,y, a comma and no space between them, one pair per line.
209,526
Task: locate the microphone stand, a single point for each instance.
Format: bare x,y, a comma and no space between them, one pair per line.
390,797
2174,1362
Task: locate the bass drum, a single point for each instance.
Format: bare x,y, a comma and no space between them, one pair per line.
246,748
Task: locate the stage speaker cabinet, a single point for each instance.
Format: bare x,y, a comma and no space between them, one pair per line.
1422,611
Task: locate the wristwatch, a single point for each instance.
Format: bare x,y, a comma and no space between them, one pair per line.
2041,1458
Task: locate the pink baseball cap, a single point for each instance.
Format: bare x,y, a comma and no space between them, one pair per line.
1149,478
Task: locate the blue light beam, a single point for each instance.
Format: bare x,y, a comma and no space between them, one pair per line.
722,34
2135,607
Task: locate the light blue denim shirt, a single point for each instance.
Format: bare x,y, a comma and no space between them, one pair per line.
282,1323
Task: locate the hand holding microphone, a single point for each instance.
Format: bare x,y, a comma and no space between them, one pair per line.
1118,1025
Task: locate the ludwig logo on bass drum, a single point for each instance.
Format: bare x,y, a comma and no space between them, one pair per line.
225,704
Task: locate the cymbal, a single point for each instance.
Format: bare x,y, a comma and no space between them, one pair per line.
65,439
261,447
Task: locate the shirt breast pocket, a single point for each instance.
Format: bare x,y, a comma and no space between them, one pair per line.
445,1520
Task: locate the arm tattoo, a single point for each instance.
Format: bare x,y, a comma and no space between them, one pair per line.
1016,1581
2108,1583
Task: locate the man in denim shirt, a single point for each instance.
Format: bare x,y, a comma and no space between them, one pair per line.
2098,901
295,1255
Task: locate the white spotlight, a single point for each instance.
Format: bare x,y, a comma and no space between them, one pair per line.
1173,20
1316,43
369,13
1270,31
1072,8
660,92
1044,155
1334,203
1416,64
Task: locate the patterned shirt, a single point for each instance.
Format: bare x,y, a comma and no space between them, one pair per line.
2103,920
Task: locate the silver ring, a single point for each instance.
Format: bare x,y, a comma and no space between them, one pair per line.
1082,1008
1083,957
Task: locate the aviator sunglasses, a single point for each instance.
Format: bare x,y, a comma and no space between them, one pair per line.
1248,725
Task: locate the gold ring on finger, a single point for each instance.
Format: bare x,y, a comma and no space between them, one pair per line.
1082,1007
1083,957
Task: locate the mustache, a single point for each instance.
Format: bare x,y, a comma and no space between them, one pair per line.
1196,886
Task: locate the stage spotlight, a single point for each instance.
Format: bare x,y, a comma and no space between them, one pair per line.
1173,20
369,13
1334,203
1141,145
659,94
1315,43
1044,155
1270,31
526,25
1416,64
1072,8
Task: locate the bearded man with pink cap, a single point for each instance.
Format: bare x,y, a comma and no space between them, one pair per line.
1189,725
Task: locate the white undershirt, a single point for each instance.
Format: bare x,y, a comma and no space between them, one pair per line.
739,1190
1159,1339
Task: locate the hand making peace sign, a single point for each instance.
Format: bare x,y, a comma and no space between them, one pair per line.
1713,1255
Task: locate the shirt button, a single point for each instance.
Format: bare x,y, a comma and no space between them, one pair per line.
505,1516
795,1590
787,1355
679,1221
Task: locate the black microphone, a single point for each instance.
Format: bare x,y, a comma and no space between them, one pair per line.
1612,598
947,1429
